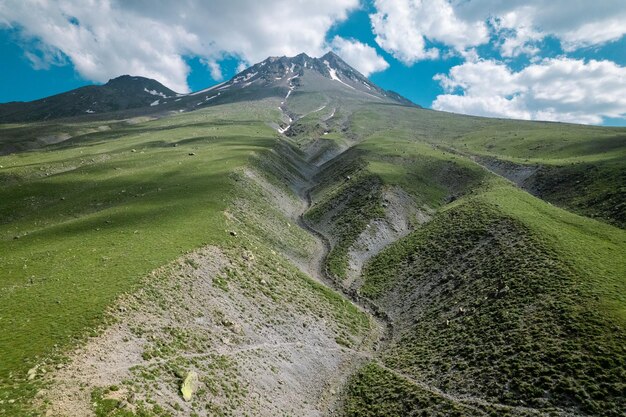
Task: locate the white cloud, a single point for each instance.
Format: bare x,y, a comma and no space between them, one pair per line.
576,24
361,56
214,69
45,56
560,89
242,66
106,38
404,27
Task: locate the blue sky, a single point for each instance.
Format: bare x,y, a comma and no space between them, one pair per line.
522,59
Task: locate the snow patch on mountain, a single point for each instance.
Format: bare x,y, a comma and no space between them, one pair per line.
333,75
154,92
207,89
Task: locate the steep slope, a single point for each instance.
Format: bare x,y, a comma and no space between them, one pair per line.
513,316
500,303
577,168
284,77
121,93
199,192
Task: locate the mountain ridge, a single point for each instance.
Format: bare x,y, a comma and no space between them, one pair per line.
273,76
274,71
109,97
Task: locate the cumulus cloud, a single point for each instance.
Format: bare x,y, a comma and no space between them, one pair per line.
576,24
404,28
560,89
214,69
361,56
106,38
408,29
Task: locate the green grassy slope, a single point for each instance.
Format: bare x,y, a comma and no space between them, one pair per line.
83,221
581,167
592,189
502,296
519,312
431,176
502,301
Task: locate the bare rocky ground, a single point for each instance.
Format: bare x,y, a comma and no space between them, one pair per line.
401,216
516,173
263,337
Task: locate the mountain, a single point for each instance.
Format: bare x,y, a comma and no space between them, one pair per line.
274,77
121,93
302,73
298,241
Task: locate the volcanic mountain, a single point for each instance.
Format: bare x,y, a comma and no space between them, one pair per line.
275,76
121,93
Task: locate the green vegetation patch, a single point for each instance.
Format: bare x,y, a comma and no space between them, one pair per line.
593,190
486,307
375,391
82,222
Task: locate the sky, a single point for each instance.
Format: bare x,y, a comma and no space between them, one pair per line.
558,60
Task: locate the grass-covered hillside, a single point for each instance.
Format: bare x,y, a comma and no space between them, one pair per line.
83,221
576,167
501,299
519,313
486,256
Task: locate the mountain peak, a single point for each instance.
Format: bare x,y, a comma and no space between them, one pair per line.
120,93
327,73
128,80
121,78
331,55
137,82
